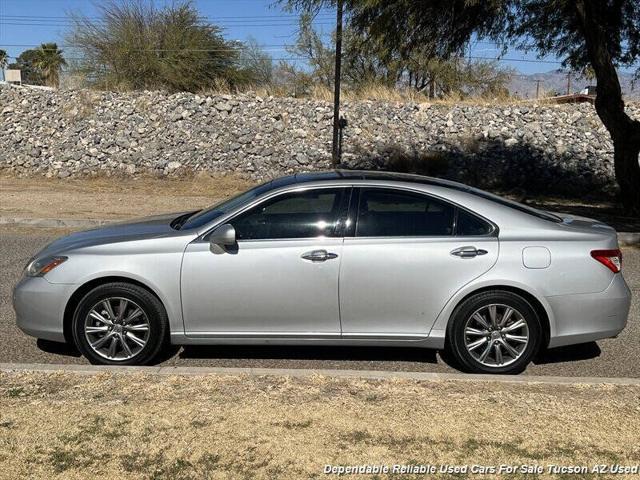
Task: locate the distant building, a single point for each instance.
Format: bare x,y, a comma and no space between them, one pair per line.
589,90
13,76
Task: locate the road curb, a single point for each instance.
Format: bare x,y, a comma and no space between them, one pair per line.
301,373
624,238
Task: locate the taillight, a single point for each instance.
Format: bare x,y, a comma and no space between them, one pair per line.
612,259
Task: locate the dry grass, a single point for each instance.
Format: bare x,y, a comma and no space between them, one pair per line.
135,426
112,197
372,92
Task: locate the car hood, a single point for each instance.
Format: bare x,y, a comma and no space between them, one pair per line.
158,226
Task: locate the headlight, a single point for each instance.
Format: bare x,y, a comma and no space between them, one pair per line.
40,266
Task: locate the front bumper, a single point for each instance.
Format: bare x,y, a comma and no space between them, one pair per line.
587,317
39,307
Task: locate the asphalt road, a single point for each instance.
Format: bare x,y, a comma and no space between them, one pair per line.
608,358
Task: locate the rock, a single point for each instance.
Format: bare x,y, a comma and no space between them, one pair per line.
553,148
171,166
223,107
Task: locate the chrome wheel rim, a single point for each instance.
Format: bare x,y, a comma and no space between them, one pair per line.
117,329
496,335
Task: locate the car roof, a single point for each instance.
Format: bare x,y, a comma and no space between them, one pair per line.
351,175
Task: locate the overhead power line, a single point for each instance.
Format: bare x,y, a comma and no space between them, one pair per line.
238,46
281,47
226,24
284,15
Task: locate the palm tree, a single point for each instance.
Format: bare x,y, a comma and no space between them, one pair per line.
4,58
49,62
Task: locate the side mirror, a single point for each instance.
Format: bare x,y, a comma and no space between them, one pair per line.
224,235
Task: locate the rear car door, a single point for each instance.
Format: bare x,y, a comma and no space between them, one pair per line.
280,280
405,257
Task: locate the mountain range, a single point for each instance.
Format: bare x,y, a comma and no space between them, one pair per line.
555,83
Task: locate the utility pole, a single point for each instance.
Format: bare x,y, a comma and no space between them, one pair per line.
538,88
568,83
335,150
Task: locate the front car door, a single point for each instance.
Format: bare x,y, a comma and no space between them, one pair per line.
407,255
281,280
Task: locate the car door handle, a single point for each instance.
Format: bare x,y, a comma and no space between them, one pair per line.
319,255
468,252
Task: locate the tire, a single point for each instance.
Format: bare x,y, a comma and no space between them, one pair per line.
473,339
107,336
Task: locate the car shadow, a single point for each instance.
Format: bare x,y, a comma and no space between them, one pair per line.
275,352
570,353
58,348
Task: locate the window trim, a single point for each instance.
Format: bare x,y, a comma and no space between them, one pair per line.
269,196
354,212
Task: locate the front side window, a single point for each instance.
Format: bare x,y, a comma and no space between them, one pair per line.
394,213
307,214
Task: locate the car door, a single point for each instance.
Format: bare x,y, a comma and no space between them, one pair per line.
407,255
281,279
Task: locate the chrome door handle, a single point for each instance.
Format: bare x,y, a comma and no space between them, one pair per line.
319,255
468,252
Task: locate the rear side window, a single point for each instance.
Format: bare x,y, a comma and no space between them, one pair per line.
471,225
394,213
307,214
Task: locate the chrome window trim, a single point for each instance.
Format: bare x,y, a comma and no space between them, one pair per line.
204,231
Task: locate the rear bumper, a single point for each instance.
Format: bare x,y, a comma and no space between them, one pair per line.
39,307
587,317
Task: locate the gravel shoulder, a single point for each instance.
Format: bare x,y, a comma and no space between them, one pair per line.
225,426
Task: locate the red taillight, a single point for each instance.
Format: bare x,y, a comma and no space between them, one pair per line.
612,259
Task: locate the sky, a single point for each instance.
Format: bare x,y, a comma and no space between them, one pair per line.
27,23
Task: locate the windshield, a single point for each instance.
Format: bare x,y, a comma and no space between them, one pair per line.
208,215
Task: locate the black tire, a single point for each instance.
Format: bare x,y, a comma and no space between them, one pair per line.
158,324
457,346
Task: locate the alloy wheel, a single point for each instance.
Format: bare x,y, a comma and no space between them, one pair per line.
117,328
496,335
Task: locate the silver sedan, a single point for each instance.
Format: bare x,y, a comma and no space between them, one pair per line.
334,258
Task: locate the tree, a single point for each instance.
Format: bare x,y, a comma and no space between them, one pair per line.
26,63
320,57
133,45
255,63
4,60
367,61
600,34
49,61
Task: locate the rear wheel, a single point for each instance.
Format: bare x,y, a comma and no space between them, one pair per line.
494,332
120,324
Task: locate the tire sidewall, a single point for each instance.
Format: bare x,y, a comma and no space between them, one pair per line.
475,302
146,301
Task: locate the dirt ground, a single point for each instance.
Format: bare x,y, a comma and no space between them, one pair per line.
110,197
56,425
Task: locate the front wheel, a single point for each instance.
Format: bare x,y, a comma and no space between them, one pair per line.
494,332
120,324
